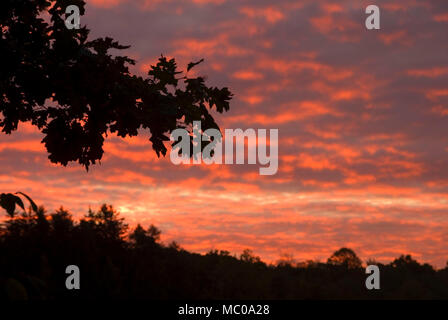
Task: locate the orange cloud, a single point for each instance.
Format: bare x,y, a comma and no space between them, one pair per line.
247,75
337,28
219,45
429,73
435,94
106,3
270,14
441,17
440,110
253,99
400,37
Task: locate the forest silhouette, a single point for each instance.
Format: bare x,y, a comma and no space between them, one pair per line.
122,263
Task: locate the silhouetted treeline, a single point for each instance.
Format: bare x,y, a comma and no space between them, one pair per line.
115,262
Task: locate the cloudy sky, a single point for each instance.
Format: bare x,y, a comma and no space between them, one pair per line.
362,118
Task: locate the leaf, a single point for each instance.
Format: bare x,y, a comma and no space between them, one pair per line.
33,205
192,64
19,202
8,202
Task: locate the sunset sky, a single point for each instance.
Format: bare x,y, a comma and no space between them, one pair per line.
362,118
